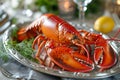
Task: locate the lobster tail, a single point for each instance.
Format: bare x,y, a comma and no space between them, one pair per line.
23,34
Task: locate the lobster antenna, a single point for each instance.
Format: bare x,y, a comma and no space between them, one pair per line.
115,36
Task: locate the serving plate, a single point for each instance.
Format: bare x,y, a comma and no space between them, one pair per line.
56,72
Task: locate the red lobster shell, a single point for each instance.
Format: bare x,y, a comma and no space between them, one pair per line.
59,37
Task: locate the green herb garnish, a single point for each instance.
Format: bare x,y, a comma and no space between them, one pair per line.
24,47
3,54
14,33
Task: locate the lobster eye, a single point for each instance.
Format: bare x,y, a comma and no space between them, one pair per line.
75,37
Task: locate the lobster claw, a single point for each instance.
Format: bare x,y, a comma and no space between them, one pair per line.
67,59
104,56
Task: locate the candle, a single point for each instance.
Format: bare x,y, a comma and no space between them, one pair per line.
67,5
66,8
118,2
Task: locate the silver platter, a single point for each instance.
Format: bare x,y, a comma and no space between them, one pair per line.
91,75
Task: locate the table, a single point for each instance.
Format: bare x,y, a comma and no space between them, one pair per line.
2,77
27,73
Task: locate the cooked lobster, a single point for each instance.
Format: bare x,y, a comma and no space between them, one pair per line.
66,46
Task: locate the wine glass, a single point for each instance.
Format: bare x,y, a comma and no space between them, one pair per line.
82,7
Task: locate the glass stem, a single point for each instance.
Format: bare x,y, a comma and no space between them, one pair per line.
81,14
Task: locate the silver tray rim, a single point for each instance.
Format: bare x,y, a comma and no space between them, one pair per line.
40,68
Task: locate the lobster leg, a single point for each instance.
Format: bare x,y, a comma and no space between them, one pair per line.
38,40
104,56
67,59
37,56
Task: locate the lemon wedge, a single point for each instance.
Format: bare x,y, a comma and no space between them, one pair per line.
104,24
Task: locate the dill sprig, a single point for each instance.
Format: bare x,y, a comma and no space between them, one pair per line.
24,47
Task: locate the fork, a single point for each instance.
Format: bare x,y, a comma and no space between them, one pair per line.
9,75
